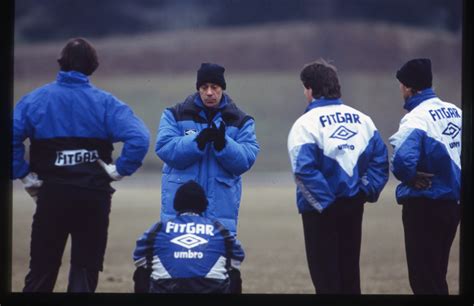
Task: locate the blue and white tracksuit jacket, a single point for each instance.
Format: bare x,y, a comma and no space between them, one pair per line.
188,253
335,152
217,172
70,125
428,140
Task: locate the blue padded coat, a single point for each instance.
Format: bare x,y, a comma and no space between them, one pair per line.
217,172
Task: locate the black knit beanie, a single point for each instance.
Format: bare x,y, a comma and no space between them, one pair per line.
210,73
190,197
416,74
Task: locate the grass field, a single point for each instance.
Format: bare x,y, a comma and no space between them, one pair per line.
269,228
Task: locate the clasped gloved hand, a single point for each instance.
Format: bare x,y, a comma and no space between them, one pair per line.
220,142
32,184
205,136
422,180
111,170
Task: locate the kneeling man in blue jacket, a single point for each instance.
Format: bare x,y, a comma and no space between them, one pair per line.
189,253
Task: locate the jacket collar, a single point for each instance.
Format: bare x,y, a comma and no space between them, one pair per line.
322,102
188,213
418,98
72,77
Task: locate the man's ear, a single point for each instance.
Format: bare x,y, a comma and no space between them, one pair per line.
408,90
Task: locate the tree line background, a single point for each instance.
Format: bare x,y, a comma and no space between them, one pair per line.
60,19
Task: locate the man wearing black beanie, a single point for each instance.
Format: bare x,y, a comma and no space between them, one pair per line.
426,160
188,253
210,73
207,138
416,74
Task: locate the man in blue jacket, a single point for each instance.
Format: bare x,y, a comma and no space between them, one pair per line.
339,162
208,139
189,253
72,126
427,161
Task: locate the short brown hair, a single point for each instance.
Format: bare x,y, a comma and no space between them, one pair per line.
322,78
78,55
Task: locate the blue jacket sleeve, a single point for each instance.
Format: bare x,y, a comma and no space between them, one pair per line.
237,250
234,250
124,126
310,180
374,180
407,150
141,249
177,150
144,246
239,155
21,131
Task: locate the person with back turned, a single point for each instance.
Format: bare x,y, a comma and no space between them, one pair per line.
72,125
339,162
189,253
427,162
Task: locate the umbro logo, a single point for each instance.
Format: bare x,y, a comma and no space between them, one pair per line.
343,133
190,132
451,130
188,241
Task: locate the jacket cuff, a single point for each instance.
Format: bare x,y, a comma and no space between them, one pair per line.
23,172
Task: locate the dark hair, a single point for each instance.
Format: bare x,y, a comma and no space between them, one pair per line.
322,78
78,55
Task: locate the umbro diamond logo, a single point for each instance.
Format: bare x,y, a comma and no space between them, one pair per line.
451,130
343,133
188,241
190,132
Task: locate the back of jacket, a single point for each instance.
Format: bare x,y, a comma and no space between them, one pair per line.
187,254
336,152
429,140
70,125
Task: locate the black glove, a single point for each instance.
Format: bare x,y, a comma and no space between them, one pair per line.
219,141
235,281
205,136
141,279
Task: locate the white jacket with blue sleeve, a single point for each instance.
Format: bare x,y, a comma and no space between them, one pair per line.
428,140
336,152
